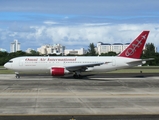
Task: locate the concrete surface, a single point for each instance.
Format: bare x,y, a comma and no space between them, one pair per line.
44,95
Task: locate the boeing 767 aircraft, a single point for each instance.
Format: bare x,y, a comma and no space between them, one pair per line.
59,66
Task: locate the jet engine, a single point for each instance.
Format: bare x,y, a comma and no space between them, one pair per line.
58,71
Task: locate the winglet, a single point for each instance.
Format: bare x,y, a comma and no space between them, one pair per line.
134,50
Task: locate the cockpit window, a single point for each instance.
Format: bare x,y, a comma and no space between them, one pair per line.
10,61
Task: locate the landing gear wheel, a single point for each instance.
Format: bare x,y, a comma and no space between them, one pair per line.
77,76
17,75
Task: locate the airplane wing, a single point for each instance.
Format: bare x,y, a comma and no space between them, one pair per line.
83,67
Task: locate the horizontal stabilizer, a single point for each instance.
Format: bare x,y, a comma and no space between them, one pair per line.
138,61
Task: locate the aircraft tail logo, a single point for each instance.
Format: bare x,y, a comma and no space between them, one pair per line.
134,50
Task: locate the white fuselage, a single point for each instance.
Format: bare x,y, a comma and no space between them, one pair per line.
43,64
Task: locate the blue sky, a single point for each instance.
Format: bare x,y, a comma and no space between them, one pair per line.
76,23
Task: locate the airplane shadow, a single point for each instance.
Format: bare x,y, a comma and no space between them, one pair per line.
85,77
112,75
97,77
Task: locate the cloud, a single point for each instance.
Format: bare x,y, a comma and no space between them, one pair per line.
82,35
75,24
50,22
78,35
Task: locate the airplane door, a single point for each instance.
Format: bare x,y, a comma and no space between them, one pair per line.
113,63
21,63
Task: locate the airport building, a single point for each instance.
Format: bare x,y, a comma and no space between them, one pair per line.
51,49
117,47
15,46
29,50
81,51
107,47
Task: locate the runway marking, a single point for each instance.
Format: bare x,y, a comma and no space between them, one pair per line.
125,78
110,114
79,94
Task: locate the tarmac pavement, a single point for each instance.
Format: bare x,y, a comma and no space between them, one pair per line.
96,96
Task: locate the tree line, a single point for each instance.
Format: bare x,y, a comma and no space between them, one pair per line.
149,52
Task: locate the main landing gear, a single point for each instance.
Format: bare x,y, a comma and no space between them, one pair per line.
17,75
77,75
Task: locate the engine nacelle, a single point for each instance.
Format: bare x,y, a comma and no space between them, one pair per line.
57,71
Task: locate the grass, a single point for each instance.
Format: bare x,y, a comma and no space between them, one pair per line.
144,69
5,71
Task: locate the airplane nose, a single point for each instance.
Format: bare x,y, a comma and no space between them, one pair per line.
6,65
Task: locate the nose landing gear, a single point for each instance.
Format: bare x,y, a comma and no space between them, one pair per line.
17,75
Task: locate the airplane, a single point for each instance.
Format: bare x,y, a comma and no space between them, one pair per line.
60,66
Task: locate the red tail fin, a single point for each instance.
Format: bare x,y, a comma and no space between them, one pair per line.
135,48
